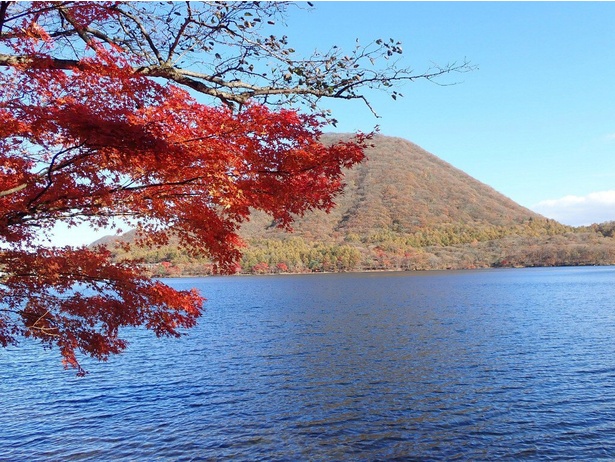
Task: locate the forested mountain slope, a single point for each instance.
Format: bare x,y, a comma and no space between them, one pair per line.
405,209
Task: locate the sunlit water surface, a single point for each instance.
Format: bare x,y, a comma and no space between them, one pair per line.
476,365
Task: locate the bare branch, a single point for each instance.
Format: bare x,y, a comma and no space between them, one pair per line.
231,57
239,91
38,62
179,35
145,34
13,190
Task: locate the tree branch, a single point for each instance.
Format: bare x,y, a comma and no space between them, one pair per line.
244,90
3,7
39,62
240,61
80,31
13,190
145,34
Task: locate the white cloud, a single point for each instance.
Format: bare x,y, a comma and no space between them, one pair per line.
596,207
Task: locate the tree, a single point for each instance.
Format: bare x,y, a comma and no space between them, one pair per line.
102,118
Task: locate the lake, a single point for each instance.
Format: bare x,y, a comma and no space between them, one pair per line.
511,364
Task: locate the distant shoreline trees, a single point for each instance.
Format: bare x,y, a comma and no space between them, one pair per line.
537,243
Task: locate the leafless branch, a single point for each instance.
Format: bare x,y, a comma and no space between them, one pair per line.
225,50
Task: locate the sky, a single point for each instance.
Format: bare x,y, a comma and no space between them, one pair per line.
535,121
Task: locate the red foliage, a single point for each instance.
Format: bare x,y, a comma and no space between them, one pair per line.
99,141
260,268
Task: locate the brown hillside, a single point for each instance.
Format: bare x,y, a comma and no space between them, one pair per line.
402,188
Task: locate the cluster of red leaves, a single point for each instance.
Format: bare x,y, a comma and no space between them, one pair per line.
99,141
78,300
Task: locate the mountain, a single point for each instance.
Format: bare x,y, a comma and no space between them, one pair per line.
404,208
403,188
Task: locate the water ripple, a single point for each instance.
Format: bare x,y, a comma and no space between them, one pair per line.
482,365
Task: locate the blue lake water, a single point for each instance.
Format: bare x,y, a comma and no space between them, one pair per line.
512,364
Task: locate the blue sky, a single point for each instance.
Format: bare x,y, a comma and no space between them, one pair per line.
536,121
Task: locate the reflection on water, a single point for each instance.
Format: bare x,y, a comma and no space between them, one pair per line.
477,365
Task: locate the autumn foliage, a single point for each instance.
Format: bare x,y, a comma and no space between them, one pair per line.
92,139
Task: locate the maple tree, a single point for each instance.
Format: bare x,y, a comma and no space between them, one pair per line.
99,121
